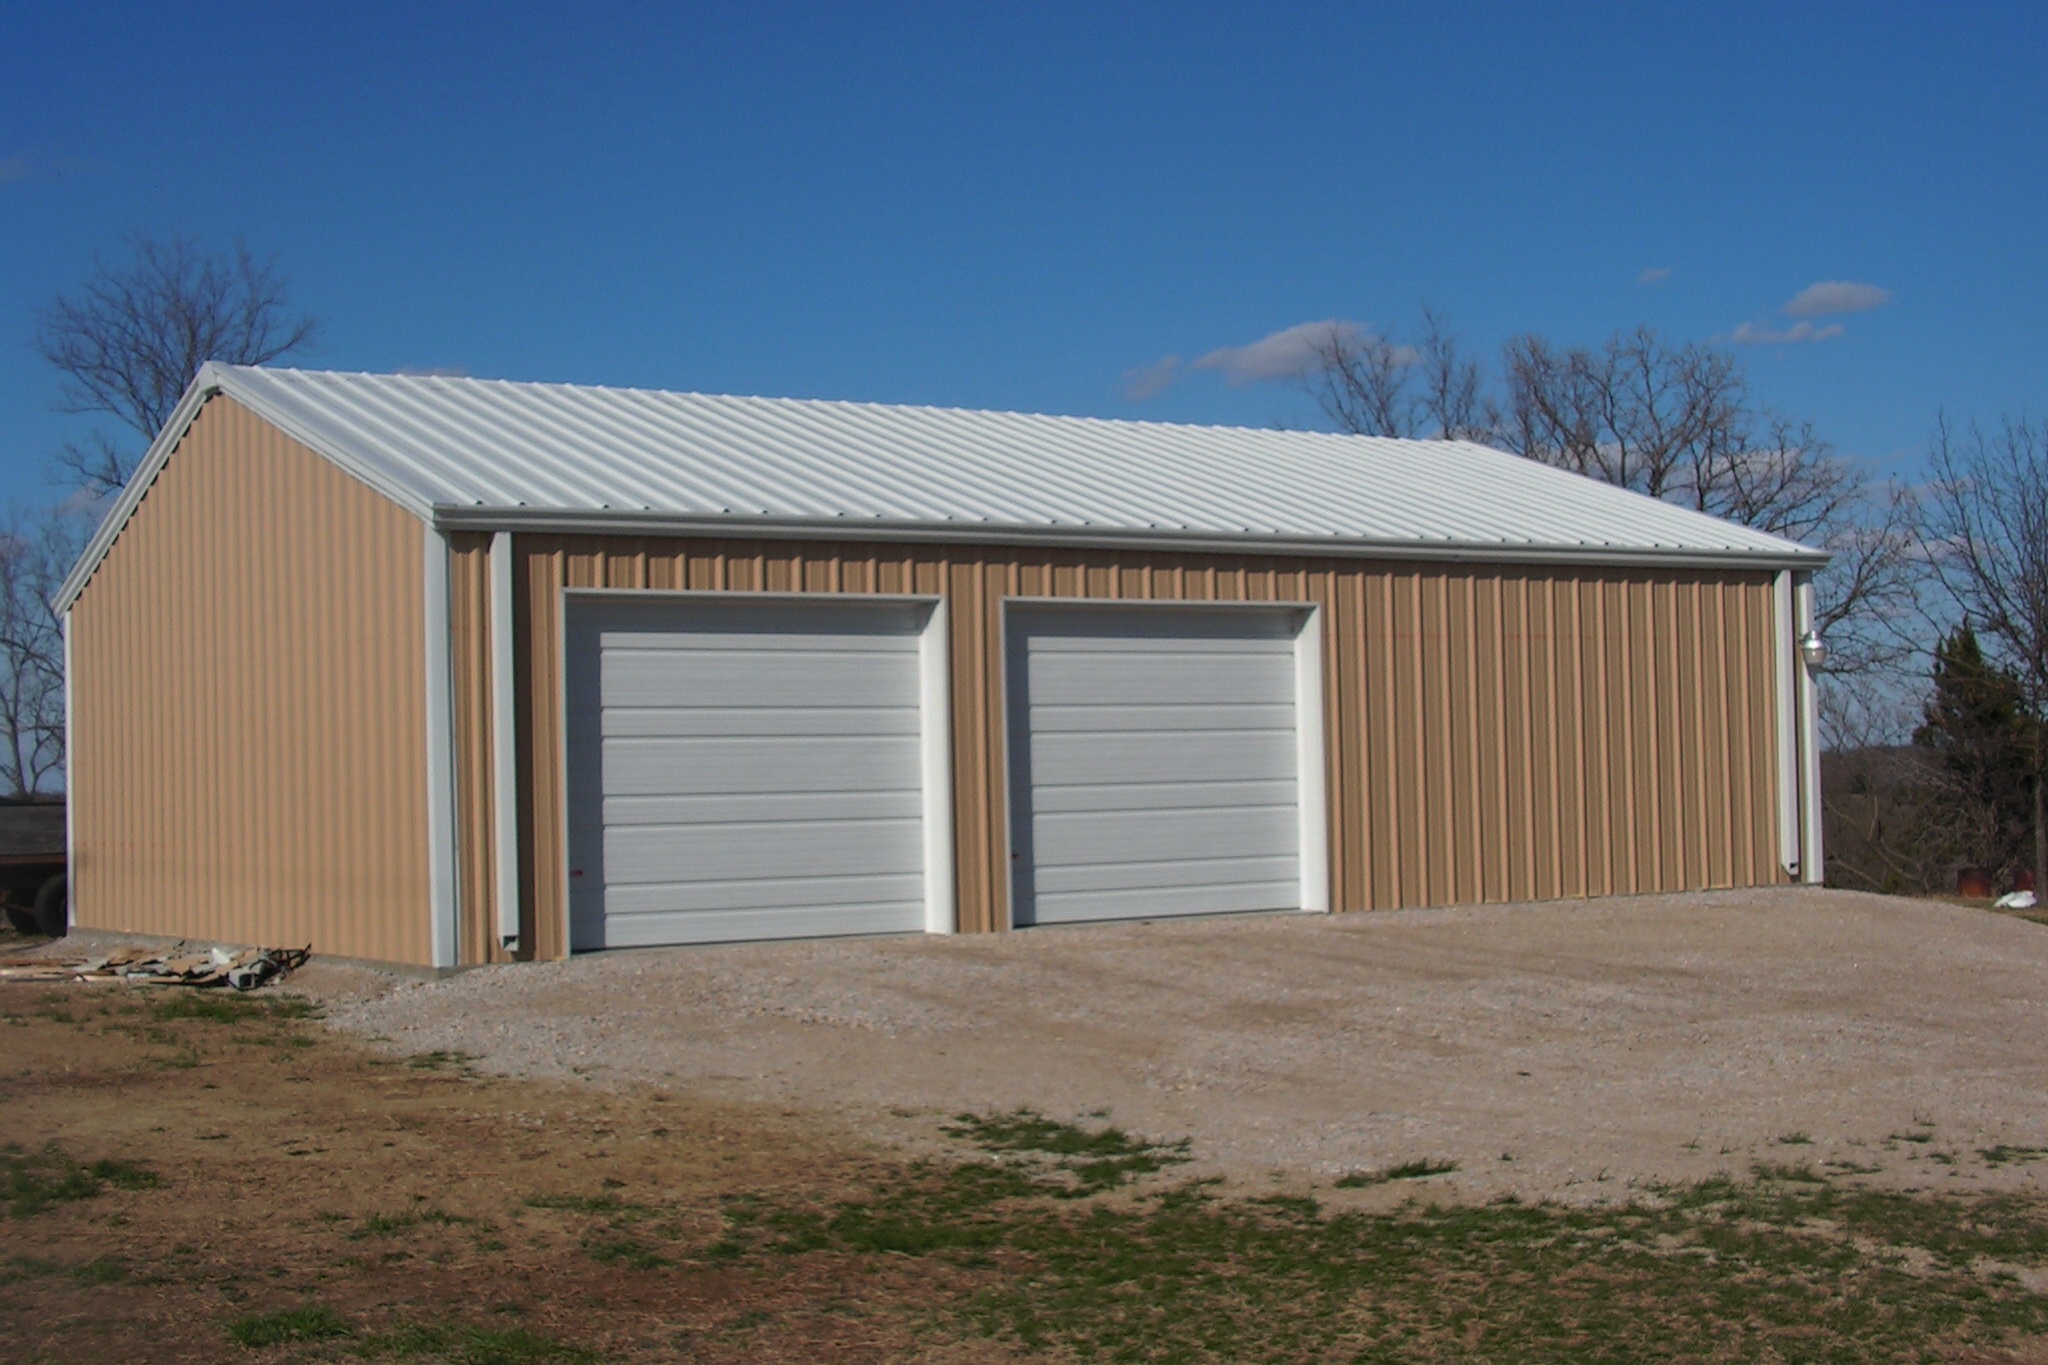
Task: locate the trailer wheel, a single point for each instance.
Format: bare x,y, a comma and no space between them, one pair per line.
53,907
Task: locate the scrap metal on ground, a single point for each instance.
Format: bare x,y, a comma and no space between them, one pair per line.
241,969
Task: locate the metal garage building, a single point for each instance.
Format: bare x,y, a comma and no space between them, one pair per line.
446,671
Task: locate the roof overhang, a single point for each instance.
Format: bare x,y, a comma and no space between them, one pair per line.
215,380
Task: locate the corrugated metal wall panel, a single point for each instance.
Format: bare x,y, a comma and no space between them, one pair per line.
469,624
249,684
1494,733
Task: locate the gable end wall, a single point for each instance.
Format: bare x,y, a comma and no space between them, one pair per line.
248,685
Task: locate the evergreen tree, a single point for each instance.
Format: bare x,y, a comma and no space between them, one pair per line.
1977,726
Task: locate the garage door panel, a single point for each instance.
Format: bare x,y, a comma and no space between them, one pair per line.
762,893
1162,796
1122,679
1165,902
1186,875
742,770
1155,764
1081,760
1247,631
656,930
764,678
790,623
624,811
1175,835
737,766
655,722
1162,719
638,854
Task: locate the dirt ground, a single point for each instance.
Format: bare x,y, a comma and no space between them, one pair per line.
541,1163
459,1216
1567,1050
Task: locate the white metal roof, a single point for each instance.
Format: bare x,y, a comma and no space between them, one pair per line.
490,454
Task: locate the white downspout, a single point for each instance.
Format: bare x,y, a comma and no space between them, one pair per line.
1785,669
70,791
1812,858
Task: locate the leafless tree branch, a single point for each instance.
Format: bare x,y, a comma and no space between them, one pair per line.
130,339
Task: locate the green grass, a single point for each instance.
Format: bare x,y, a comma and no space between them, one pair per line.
625,1251
101,1270
393,1224
1420,1169
601,1205
2002,1155
220,1005
212,1007
31,1182
1101,1159
16,1268
1785,1265
310,1323
471,1346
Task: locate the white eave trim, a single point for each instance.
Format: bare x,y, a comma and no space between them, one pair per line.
493,519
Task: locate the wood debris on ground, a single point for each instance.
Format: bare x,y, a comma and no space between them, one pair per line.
242,969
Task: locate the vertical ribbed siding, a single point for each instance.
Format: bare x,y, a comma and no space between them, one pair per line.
248,691
469,625
1495,733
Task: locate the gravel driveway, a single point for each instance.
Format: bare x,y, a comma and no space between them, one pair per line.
1567,1049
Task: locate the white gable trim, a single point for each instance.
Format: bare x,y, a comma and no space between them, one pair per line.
212,381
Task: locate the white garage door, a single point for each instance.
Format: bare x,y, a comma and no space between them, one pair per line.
743,770
1155,761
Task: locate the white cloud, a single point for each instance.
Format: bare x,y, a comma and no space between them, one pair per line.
1750,335
1148,380
1829,297
87,505
1282,357
1656,274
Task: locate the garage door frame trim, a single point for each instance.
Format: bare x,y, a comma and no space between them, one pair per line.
1311,748
935,726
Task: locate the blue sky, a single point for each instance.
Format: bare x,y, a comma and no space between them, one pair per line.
1018,207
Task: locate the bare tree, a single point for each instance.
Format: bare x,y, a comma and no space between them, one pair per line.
1361,381
1674,422
131,338
1369,384
127,344
35,553
1987,530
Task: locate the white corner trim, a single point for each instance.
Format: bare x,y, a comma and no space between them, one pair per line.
504,743
935,706
1785,662
1812,857
1312,760
443,892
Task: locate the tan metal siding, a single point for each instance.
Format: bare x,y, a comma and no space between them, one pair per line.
248,694
469,625
1493,732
